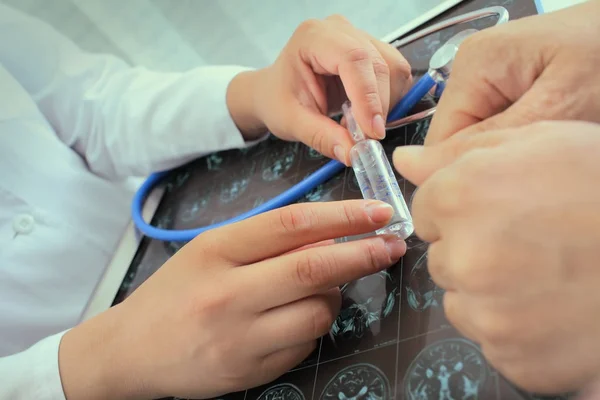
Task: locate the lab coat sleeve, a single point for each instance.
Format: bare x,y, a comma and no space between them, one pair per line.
124,121
33,373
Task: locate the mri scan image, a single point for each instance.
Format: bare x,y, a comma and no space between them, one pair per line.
321,191
422,293
278,161
447,370
214,162
365,303
194,206
237,183
312,154
258,202
283,391
178,180
421,129
358,382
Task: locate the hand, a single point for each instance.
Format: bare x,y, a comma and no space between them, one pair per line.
235,308
322,62
512,218
537,68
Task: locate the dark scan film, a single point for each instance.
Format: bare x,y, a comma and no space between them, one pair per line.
391,339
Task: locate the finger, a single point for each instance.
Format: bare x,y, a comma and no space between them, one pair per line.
303,274
313,245
400,73
337,53
395,83
424,207
296,323
480,86
438,268
546,100
273,365
418,163
288,228
323,134
457,313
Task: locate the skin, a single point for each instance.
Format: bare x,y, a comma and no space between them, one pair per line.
324,63
537,68
233,310
509,205
225,315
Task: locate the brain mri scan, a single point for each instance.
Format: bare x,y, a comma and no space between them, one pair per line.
447,370
365,303
312,154
358,382
278,161
178,180
214,161
421,129
193,206
284,391
422,293
233,188
321,191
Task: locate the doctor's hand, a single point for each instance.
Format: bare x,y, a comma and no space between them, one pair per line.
537,68
235,308
322,62
512,218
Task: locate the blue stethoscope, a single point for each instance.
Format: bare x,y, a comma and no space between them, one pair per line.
433,81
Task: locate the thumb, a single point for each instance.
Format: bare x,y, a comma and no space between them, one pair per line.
418,163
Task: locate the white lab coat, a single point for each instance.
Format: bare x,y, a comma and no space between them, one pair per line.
74,127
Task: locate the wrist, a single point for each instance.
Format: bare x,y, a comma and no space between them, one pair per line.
242,104
93,361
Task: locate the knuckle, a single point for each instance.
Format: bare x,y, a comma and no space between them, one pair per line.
358,55
322,319
206,306
494,328
476,267
313,269
294,219
556,100
309,26
380,67
349,215
376,256
401,70
318,141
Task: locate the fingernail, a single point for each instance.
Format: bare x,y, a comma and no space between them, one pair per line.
379,126
339,153
395,247
379,211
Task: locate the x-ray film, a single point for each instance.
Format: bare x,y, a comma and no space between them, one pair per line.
391,339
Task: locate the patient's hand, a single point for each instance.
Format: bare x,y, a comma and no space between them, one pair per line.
537,68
